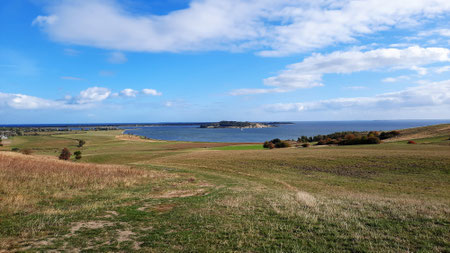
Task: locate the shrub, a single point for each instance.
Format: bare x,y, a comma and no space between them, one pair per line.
373,140
81,143
387,135
303,139
276,143
77,155
305,145
282,144
321,142
27,151
412,142
331,141
15,149
65,154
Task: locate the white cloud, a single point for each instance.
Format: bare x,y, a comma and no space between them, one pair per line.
395,79
420,70
309,72
129,93
45,20
117,58
85,99
20,101
427,95
272,27
443,69
441,32
93,95
151,92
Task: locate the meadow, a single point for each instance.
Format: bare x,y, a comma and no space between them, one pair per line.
133,194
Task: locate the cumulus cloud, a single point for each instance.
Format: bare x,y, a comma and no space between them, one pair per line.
309,72
134,93
151,92
93,95
129,93
21,101
272,27
85,99
431,94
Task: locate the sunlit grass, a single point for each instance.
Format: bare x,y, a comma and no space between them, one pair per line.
205,197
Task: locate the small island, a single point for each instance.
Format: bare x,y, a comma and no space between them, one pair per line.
235,124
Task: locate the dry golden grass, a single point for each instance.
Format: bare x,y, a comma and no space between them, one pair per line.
26,180
422,132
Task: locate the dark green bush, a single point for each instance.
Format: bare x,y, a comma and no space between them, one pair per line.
387,135
276,143
77,155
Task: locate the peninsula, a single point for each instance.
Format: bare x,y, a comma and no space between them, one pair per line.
235,124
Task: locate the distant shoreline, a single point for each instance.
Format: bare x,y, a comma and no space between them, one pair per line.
89,125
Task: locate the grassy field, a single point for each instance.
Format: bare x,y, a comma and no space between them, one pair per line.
131,194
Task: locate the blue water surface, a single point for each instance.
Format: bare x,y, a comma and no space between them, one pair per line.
285,132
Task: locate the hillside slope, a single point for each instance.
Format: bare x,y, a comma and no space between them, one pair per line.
422,132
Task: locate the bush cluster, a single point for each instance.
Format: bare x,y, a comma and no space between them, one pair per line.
387,135
77,155
65,154
348,138
276,143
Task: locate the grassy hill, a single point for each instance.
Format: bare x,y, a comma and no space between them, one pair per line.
434,131
197,197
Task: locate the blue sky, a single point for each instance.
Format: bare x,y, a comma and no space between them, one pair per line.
97,61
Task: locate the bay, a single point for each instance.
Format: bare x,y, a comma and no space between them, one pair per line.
283,131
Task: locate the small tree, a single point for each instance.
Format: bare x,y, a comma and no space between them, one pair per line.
77,154
65,154
81,143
